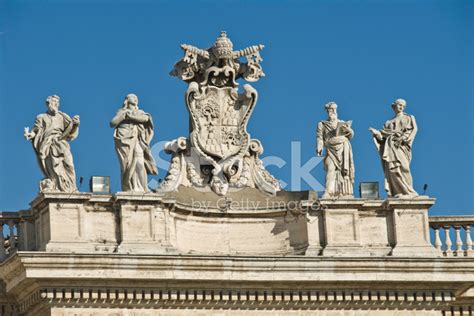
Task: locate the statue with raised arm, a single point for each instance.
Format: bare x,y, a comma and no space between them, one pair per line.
132,135
335,135
394,143
50,136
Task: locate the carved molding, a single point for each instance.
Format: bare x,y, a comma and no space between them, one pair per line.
237,299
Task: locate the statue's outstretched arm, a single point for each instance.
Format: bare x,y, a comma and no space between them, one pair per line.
31,134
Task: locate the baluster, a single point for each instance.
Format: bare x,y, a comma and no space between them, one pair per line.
459,251
467,229
437,242
20,238
11,226
3,253
448,241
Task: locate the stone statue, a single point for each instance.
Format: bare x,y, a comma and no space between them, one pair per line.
394,143
335,135
132,135
50,136
219,154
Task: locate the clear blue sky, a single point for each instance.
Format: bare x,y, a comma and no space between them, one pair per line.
361,54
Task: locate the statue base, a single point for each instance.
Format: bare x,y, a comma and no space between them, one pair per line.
244,222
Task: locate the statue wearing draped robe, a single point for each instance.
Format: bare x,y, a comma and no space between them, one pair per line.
394,143
132,135
49,136
335,135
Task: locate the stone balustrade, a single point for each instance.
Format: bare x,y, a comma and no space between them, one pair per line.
13,232
8,233
453,235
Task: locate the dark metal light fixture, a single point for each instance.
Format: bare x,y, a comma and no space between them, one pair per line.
369,190
100,184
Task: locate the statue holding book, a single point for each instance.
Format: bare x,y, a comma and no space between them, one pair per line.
394,143
335,136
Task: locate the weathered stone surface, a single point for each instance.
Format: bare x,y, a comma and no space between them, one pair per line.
394,143
219,154
335,136
151,254
211,284
132,137
246,222
50,135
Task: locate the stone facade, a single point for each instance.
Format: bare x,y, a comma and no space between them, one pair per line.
104,284
160,254
246,222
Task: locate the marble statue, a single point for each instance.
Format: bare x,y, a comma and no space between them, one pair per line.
335,135
132,135
394,143
219,154
50,135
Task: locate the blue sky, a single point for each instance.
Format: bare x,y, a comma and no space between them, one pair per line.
361,54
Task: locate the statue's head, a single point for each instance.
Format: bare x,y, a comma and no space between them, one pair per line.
223,47
130,102
52,103
331,108
399,105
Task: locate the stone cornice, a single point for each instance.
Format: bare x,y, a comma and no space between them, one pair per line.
59,196
389,203
451,220
248,299
421,201
38,265
267,204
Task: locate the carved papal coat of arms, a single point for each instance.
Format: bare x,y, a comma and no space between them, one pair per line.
219,152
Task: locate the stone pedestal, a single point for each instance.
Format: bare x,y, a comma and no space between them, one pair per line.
245,222
367,228
66,222
411,228
142,227
316,236
342,228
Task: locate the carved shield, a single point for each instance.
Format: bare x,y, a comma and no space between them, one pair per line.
219,118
